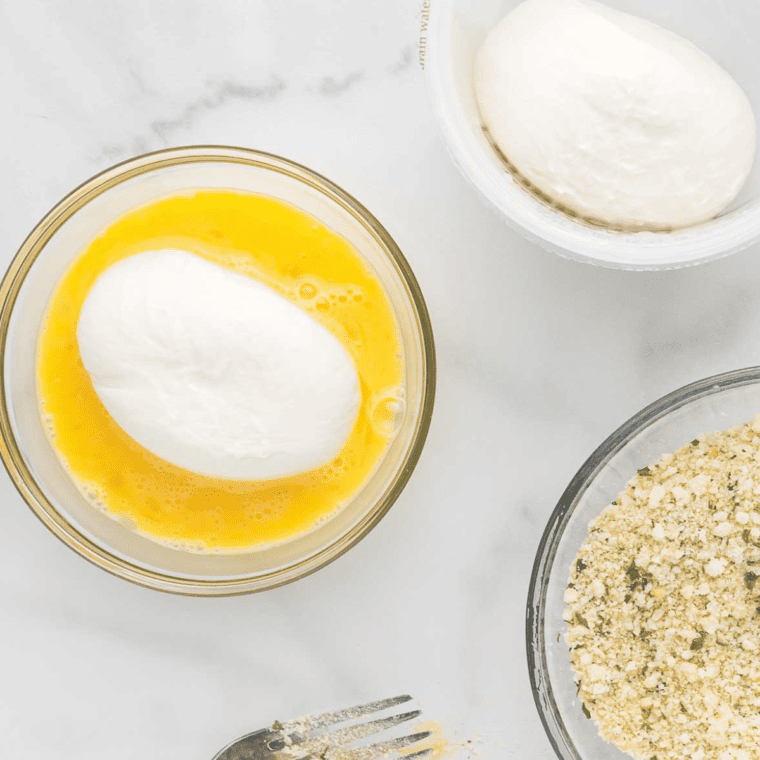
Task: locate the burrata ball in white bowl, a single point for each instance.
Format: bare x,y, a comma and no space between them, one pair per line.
620,134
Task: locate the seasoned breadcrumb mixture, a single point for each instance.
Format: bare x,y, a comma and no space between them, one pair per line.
663,606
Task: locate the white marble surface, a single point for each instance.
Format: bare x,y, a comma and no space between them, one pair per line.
539,360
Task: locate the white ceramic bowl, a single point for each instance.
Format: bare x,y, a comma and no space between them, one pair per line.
727,32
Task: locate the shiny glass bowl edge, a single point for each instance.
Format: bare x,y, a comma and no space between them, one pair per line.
535,629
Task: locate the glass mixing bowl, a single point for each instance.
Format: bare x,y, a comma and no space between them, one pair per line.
452,35
709,405
24,295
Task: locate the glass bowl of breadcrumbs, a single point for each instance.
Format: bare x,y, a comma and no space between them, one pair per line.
643,619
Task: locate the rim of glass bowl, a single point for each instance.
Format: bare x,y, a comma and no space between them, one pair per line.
11,285
535,639
547,227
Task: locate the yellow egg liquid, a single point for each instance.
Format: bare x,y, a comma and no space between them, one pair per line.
306,263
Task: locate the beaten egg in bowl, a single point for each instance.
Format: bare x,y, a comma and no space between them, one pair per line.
305,262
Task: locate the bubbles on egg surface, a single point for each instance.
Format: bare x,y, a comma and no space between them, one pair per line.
264,506
336,469
94,495
317,294
335,306
386,411
181,545
307,291
49,426
330,515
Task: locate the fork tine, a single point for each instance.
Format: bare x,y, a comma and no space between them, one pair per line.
388,749
361,730
337,716
421,753
402,741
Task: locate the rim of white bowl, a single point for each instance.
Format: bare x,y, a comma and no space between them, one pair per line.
551,229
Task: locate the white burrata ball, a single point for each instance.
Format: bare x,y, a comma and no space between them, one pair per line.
613,117
215,372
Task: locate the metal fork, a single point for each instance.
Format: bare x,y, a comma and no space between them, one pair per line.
303,738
